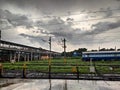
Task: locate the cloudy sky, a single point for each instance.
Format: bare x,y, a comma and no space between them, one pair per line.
83,23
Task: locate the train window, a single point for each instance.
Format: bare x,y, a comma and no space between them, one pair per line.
118,54
85,55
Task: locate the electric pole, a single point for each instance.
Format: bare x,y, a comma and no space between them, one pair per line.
0,34
99,48
0,37
64,41
50,58
50,46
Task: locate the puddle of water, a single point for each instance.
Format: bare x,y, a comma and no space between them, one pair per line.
43,84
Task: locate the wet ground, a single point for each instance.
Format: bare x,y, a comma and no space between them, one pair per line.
44,84
45,75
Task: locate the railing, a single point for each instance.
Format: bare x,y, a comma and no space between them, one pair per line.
60,70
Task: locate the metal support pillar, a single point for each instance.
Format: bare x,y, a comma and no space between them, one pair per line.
28,57
77,72
15,56
39,56
18,56
31,56
10,56
49,71
25,57
1,70
24,71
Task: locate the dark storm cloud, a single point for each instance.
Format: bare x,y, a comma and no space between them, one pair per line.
57,27
90,36
44,6
117,0
15,19
69,19
57,6
100,28
34,39
108,12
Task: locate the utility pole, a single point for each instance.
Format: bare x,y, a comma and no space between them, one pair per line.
99,48
50,46
0,35
50,58
115,48
64,41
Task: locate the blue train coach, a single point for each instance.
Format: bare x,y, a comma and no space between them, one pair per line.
101,55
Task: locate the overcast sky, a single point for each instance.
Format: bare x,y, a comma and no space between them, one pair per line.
83,23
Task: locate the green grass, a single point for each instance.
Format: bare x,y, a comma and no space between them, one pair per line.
58,65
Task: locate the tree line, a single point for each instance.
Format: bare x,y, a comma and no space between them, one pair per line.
79,51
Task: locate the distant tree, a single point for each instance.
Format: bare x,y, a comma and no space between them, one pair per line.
93,50
118,49
103,49
78,52
111,49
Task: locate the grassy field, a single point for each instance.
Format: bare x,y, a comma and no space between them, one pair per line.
58,66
